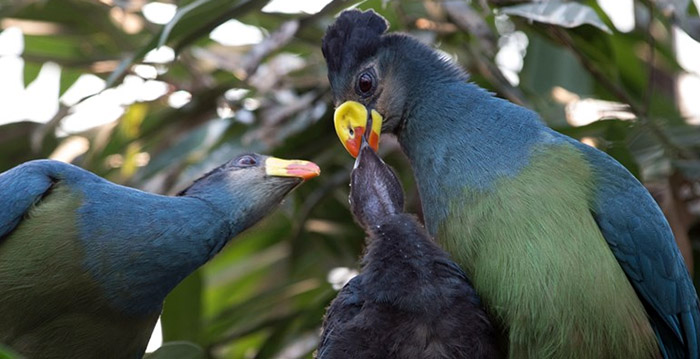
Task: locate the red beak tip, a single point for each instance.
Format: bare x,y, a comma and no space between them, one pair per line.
305,171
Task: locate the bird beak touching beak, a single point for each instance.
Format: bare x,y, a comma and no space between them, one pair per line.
291,168
351,122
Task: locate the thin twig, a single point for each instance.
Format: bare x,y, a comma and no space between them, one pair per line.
279,38
282,36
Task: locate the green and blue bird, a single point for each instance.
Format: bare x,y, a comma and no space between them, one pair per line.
85,264
568,251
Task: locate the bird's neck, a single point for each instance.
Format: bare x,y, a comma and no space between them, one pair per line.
458,137
397,263
151,245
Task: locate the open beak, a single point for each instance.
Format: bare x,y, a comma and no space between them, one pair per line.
291,168
351,121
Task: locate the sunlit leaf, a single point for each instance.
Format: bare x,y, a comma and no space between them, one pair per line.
182,317
566,14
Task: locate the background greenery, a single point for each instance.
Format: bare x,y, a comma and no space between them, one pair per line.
265,294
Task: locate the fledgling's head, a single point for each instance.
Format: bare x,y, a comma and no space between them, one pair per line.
376,77
375,190
250,186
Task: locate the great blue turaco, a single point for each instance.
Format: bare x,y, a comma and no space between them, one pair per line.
568,251
411,301
85,264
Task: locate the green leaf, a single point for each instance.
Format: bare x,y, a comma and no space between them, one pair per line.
68,78
31,72
181,12
182,311
565,14
7,353
177,350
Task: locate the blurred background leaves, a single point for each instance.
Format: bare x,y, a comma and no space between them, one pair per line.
153,94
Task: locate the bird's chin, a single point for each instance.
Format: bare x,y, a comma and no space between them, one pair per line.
289,184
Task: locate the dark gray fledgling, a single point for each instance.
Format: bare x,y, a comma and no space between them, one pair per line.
411,300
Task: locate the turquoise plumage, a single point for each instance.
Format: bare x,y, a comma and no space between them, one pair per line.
568,251
85,264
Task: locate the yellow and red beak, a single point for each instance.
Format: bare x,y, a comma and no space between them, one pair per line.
291,168
350,121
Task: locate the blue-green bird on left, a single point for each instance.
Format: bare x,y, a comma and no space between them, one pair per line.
85,264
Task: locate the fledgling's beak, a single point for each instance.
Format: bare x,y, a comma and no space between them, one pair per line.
291,168
351,120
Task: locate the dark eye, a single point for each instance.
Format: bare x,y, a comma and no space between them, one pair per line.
246,161
365,83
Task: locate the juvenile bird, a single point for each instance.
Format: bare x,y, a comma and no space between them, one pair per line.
566,248
85,263
411,300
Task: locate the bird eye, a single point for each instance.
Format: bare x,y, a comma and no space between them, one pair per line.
246,161
365,83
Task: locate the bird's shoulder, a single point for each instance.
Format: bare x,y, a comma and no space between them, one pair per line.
454,277
24,187
347,303
346,306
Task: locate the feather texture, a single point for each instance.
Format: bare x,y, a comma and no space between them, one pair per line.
519,217
565,247
85,264
410,301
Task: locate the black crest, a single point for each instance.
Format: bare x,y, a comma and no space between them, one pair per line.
355,35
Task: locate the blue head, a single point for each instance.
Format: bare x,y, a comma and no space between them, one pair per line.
248,187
